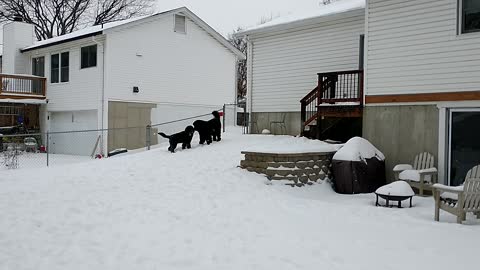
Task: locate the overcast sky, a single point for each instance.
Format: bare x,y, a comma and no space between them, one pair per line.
227,15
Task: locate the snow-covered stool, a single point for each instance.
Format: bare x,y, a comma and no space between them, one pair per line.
397,191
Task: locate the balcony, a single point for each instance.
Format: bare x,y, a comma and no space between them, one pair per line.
22,87
338,96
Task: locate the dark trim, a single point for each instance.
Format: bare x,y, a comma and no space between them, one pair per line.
62,41
427,97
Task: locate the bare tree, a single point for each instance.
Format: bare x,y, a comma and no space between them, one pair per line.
241,44
58,17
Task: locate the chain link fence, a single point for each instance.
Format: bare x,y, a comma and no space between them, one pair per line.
23,151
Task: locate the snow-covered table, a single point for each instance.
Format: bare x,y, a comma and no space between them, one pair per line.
397,191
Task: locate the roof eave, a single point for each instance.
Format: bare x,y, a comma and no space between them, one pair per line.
61,41
292,24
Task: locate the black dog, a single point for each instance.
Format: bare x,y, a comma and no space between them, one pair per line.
184,137
215,126
204,131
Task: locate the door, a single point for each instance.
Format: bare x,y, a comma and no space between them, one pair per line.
464,143
38,69
73,143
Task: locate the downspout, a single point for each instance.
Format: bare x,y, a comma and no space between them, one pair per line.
103,94
249,82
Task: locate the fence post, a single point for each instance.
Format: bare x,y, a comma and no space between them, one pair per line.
224,118
149,136
48,147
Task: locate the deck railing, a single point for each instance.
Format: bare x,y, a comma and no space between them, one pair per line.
22,85
343,86
334,88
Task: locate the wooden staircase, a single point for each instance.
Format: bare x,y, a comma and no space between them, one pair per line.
336,104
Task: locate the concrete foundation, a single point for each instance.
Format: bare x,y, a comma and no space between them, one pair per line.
401,132
261,121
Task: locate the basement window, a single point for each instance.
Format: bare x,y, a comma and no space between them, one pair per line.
470,16
180,24
88,56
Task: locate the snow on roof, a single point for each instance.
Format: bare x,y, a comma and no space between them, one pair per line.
97,29
358,149
82,32
336,7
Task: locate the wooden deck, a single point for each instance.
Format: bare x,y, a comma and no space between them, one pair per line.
22,87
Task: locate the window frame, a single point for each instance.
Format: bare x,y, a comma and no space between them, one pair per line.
184,32
89,57
33,64
461,25
59,67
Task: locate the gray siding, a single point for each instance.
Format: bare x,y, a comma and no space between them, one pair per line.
285,64
413,47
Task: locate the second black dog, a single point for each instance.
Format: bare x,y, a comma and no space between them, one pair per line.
204,130
215,126
184,137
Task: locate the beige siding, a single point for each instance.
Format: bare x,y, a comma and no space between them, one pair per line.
285,64
413,47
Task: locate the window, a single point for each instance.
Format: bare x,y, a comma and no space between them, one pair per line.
89,56
60,67
180,24
470,15
38,66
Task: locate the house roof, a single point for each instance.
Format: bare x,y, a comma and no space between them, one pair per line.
339,6
99,29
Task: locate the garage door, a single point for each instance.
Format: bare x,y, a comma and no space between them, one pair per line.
127,123
81,143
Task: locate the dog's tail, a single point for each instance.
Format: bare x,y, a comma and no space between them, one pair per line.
164,135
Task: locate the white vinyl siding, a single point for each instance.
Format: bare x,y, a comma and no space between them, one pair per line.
285,64
193,69
413,47
83,89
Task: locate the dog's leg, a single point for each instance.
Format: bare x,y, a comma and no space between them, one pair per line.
189,146
173,146
184,145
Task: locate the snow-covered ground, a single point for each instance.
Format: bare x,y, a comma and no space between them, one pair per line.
196,210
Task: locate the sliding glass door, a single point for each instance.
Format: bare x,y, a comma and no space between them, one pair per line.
464,143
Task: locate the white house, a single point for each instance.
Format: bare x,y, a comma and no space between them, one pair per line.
129,73
422,82
415,79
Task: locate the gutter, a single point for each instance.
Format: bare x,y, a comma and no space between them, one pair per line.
61,41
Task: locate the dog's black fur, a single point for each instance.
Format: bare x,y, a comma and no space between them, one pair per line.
184,137
215,126
204,131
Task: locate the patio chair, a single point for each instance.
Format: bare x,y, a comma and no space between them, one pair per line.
280,123
459,200
421,175
30,144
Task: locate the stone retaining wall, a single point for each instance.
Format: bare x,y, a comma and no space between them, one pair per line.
301,168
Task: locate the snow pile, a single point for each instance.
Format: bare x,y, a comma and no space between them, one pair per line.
310,13
358,149
289,145
196,210
414,175
397,188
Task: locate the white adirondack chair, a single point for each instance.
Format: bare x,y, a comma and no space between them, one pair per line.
421,175
459,200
